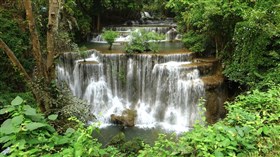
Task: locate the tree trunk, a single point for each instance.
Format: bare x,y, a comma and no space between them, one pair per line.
54,6
45,74
36,49
34,88
98,23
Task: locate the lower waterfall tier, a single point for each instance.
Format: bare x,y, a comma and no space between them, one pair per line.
161,89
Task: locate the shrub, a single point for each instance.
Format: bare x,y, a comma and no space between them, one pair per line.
83,52
28,133
110,37
250,128
143,41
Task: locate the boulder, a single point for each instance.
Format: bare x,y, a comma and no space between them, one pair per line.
127,118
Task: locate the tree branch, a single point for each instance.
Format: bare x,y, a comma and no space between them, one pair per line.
15,61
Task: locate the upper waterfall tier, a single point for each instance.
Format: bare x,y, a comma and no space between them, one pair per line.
125,32
162,88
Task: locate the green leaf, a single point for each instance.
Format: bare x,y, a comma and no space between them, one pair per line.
240,132
34,126
6,110
21,144
218,154
34,141
225,142
4,139
70,131
52,117
241,154
50,128
17,101
266,130
7,144
7,127
17,120
29,111
259,131
62,140
34,151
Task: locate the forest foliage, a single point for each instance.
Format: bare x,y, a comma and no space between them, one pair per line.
244,34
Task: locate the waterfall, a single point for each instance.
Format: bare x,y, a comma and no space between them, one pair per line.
125,33
162,90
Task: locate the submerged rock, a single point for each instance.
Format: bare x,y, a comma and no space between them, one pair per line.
118,139
134,145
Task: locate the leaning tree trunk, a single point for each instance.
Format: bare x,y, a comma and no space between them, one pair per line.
23,72
15,61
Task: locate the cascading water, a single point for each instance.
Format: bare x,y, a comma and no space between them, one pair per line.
161,88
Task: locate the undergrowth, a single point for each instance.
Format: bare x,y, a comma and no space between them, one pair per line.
251,128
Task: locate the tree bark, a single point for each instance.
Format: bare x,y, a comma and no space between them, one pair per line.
54,6
36,49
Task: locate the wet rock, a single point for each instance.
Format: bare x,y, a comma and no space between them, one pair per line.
148,22
215,98
171,34
141,21
88,62
127,118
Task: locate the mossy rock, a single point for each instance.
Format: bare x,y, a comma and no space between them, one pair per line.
118,139
132,146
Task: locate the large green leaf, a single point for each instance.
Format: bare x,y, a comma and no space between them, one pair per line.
17,101
34,126
6,110
37,118
29,111
52,117
4,139
7,127
17,120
